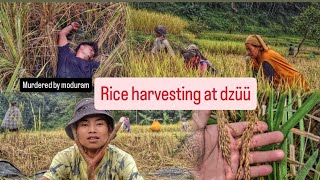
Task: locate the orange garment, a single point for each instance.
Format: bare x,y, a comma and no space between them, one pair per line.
155,126
283,71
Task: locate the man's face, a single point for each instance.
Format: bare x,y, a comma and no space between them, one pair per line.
252,51
87,50
93,132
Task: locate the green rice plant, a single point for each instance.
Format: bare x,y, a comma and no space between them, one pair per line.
12,54
36,118
301,112
288,122
303,172
146,21
317,174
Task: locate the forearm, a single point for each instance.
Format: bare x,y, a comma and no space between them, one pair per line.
62,41
65,31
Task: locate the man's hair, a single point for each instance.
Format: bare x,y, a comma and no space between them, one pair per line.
92,44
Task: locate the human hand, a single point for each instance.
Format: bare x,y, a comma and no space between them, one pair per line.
212,165
75,25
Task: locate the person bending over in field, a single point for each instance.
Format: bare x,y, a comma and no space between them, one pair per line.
194,59
92,157
275,68
212,165
79,64
161,44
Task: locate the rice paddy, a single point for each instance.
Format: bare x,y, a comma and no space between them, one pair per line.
33,151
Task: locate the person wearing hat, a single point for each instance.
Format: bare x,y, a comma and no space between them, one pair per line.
275,68
12,119
80,64
161,44
92,157
194,59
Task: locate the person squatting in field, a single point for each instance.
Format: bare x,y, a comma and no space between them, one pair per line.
79,64
12,119
275,68
211,163
92,157
161,43
194,59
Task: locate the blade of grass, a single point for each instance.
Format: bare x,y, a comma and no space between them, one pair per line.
290,135
301,138
283,164
280,112
317,175
270,111
302,111
303,172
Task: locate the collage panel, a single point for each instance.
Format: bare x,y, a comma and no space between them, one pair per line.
208,39
61,40
63,135
277,43
40,134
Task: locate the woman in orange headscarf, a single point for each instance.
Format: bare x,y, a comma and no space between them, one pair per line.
275,68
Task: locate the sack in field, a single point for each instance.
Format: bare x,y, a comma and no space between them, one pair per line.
155,126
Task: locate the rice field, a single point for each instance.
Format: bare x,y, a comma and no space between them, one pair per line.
33,151
225,51
285,112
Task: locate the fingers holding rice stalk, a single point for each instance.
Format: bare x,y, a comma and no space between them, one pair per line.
233,144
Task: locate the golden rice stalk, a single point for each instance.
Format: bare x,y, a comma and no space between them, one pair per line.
224,138
245,139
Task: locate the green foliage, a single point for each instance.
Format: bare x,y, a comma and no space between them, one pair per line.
251,17
145,119
313,100
303,172
308,22
196,25
12,50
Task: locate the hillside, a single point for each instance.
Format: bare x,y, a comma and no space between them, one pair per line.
254,17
